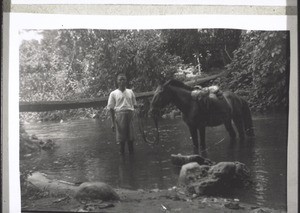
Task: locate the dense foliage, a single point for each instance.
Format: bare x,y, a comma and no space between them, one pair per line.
70,64
260,69
76,64
82,63
209,47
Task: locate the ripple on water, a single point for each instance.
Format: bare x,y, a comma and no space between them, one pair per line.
88,152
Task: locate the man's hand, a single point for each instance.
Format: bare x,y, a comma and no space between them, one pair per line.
112,115
137,110
113,128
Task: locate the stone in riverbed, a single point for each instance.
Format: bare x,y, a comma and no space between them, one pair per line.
233,173
212,180
192,172
96,191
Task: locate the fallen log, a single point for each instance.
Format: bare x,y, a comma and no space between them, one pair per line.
42,106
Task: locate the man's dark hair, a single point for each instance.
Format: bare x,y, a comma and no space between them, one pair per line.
116,79
121,74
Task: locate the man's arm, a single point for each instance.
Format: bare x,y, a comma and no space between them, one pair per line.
110,105
113,120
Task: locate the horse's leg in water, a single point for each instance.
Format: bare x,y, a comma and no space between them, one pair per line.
194,135
202,138
238,121
122,147
229,128
130,146
247,120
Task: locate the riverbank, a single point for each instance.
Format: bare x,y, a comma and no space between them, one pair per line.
58,196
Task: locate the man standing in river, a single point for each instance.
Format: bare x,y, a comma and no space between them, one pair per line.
121,104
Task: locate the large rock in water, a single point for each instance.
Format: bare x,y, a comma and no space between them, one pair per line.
192,172
96,191
212,180
230,171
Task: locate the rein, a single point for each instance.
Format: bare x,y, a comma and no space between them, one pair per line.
143,132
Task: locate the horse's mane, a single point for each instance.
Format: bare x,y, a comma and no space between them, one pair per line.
177,83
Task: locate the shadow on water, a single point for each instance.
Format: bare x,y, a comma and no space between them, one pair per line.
87,152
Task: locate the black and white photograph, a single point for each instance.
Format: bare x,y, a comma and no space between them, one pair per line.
154,119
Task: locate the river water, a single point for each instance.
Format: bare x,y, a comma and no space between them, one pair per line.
87,151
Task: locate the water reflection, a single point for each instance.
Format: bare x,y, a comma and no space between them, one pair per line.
260,179
127,177
87,152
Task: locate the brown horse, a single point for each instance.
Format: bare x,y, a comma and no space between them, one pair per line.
205,111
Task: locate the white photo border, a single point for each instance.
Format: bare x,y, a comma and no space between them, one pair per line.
18,21
165,2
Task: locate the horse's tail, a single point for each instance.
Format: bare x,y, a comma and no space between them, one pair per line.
247,119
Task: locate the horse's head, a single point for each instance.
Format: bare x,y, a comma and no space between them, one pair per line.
160,99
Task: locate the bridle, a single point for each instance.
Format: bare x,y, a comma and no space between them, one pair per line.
154,112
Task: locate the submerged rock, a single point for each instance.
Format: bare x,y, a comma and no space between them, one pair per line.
212,180
233,205
28,145
32,144
96,191
180,160
47,145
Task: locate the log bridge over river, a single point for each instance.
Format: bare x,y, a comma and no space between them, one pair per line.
41,106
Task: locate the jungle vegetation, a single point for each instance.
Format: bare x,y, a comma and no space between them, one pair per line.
73,64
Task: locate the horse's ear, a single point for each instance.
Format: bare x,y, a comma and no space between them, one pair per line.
160,81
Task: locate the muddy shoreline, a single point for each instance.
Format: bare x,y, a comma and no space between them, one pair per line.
59,197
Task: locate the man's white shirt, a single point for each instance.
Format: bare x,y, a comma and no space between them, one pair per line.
120,101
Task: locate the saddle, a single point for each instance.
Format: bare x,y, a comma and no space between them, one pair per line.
212,92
